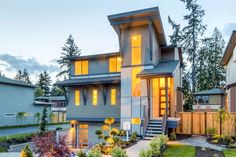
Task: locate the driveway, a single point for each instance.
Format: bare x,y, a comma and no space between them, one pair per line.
31,129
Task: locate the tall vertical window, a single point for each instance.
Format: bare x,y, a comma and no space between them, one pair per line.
95,97
83,135
114,64
81,67
77,97
113,96
136,89
136,49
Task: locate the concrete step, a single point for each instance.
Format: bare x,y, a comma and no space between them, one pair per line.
154,131
155,122
154,128
152,135
154,125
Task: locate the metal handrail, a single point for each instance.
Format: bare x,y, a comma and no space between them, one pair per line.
164,121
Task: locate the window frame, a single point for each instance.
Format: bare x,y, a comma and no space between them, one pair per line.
136,48
81,67
117,64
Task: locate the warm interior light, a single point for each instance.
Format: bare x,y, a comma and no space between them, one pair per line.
119,58
134,37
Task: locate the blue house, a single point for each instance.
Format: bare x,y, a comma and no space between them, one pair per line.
140,84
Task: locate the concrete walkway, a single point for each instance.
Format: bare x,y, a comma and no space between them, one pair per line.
200,141
133,151
9,154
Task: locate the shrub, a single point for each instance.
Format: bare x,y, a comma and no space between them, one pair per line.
95,153
145,153
163,139
133,137
155,146
227,140
81,153
2,149
26,152
173,136
118,152
211,132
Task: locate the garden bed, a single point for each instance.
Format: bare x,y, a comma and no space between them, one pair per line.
205,152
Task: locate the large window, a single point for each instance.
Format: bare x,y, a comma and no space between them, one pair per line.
77,97
136,49
83,135
114,64
81,67
95,97
113,96
136,89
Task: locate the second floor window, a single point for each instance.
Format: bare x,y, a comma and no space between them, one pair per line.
95,97
114,64
77,97
113,96
136,49
81,67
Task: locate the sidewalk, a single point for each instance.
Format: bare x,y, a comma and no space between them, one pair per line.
9,154
133,151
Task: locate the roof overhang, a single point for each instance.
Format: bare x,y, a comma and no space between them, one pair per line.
229,49
139,18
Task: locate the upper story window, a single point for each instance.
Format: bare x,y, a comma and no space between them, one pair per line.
113,96
95,97
77,97
136,49
81,67
114,64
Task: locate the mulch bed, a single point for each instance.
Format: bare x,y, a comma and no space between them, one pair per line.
182,136
206,152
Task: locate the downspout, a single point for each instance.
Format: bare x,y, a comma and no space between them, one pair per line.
64,89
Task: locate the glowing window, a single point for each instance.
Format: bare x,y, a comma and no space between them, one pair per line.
136,89
114,64
77,97
95,97
81,67
136,50
113,96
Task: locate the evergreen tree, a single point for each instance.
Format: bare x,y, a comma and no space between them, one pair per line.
57,91
23,75
44,83
191,34
44,121
209,62
18,76
38,92
69,50
26,152
176,37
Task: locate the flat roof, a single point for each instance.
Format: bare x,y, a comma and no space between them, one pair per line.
51,98
8,81
229,49
214,91
94,56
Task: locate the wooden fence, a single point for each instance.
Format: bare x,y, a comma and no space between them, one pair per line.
198,122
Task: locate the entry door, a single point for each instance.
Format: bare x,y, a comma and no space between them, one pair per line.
162,103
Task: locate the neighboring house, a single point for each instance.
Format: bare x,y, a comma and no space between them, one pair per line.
209,100
229,61
58,106
15,97
140,84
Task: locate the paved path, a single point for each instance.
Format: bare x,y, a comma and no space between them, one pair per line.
200,141
133,151
31,129
9,154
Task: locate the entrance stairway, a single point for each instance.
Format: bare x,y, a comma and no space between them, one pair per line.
154,129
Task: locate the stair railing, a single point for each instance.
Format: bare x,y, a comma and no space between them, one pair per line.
164,123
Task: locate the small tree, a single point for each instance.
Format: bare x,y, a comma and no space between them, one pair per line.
52,116
38,92
221,117
21,116
26,152
44,121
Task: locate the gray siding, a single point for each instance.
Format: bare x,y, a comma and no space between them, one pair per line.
90,111
14,99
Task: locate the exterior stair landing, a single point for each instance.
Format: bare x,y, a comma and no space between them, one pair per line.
154,129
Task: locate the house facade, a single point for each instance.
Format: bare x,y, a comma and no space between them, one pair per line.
140,84
15,97
229,61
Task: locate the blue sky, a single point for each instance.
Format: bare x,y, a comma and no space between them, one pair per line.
34,31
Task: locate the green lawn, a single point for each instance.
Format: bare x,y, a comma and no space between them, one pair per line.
178,150
230,152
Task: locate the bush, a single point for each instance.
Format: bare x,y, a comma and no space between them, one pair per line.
133,137
26,152
145,153
173,136
2,149
155,146
227,140
95,153
81,153
118,152
211,132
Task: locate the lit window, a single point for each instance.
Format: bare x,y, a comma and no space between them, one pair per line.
95,97
114,64
81,67
83,135
136,49
113,96
136,91
77,97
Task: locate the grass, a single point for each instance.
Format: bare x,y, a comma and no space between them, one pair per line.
16,136
28,125
177,150
229,152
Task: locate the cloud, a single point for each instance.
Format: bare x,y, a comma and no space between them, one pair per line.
228,28
31,64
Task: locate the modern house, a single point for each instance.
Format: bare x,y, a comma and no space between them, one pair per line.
16,97
209,100
229,61
58,106
140,84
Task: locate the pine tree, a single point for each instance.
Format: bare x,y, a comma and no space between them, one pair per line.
70,50
26,152
23,75
18,76
57,91
176,37
191,34
44,83
44,121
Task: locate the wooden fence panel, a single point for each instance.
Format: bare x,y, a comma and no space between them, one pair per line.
198,122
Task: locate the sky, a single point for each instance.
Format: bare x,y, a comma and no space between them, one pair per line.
32,32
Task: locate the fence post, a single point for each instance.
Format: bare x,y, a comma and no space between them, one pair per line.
191,122
205,123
